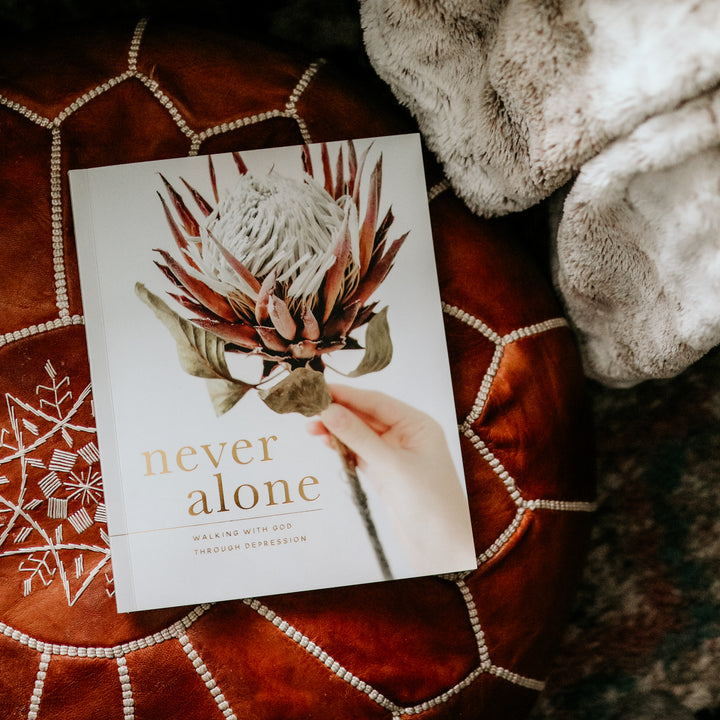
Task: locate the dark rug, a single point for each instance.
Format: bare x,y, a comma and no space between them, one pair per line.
644,640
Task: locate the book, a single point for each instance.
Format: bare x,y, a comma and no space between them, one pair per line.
237,307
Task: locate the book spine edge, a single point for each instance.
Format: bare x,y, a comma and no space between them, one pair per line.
103,404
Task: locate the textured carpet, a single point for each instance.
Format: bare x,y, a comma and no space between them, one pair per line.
644,641
645,636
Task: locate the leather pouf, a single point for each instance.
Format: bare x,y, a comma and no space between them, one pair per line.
473,647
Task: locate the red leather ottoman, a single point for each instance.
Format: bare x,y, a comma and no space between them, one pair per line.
473,646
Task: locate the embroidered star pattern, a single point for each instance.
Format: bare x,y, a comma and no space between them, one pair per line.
52,511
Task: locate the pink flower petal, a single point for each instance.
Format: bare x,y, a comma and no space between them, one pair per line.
237,333
327,170
204,206
311,329
307,161
378,272
240,163
369,226
335,275
281,318
352,167
237,266
189,223
340,176
261,304
201,292
271,339
213,179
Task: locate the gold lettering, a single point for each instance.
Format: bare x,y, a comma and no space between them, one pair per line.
255,497
221,492
271,496
192,510
188,458
247,496
265,441
309,480
208,452
237,446
185,452
148,462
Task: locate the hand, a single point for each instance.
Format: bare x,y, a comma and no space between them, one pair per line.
404,454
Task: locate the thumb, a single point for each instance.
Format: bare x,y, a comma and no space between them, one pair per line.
352,431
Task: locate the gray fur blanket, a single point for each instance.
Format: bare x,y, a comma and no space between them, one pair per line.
612,108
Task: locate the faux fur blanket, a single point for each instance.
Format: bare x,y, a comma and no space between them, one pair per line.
614,105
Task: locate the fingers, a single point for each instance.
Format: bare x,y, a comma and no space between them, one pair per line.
380,411
315,427
354,433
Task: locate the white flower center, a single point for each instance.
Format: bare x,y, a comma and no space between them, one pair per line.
273,223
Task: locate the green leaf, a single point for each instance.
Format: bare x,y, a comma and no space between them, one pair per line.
201,352
304,391
225,394
378,346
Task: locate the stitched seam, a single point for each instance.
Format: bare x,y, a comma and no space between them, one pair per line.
41,328
126,689
296,94
437,189
172,632
206,677
39,687
317,652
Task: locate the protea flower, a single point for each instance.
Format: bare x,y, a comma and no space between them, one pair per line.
279,267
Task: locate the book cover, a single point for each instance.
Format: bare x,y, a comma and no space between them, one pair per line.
270,375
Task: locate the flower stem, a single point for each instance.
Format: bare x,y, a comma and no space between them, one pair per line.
361,503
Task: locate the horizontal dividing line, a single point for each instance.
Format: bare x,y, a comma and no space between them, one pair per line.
217,522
